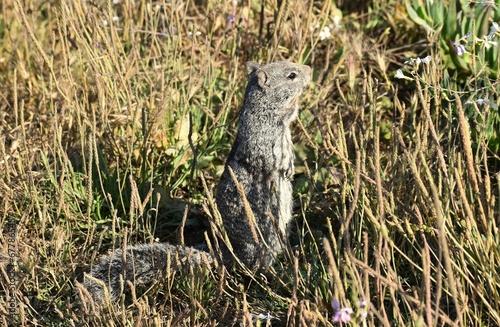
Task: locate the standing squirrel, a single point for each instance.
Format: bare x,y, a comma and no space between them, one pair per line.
254,195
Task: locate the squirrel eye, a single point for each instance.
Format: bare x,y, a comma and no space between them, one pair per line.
292,76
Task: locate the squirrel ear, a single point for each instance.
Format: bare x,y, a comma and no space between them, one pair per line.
252,67
262,79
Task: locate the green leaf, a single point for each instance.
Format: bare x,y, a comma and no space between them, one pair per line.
438,13
416,18
483,21
450,24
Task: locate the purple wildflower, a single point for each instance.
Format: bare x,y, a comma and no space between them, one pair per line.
460,49
231,19
341,314
463,38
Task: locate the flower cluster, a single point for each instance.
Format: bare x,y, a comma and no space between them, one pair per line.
197,33
487,41
262,316
415,62
326,31
484,3
482,101
343,314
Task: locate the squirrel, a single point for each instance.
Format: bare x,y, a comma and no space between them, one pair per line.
254,194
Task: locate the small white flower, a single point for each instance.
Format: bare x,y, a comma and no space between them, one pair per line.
363,310
400,75
325,33
427,60
494,28
482,101
198,33
116,18
488,43
105,22
417,61
336,21
116,1
484,3
412,61
262,316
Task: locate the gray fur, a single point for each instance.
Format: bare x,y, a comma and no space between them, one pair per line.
262,162
143,264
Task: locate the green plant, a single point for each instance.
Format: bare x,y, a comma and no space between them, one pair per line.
455,21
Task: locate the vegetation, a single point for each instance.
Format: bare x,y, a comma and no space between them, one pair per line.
116,117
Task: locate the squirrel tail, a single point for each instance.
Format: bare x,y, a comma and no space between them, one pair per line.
141,264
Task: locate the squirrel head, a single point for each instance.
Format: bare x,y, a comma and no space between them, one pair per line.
274,89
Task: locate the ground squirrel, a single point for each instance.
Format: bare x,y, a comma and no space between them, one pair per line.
256,210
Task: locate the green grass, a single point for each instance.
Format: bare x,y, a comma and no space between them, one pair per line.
116,131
